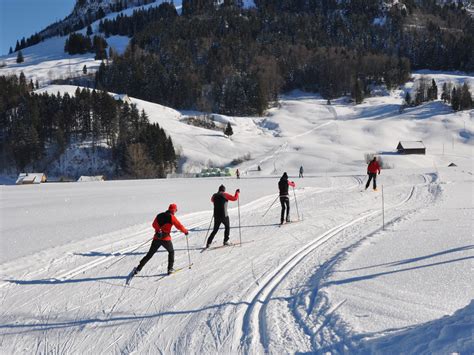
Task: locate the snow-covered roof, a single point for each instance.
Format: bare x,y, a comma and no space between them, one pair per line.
123,97
85,178
30,178
412,144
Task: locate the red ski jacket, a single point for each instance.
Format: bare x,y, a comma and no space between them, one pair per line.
373,167
228,197
168,220
220,200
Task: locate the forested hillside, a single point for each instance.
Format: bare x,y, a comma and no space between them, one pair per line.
236,61
36,129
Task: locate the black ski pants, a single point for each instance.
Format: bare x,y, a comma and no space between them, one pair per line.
372,176
285,204
155,245
217,224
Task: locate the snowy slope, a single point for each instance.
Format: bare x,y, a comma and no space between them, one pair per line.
47,60
304,130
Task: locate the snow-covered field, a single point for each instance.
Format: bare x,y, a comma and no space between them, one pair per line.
335,282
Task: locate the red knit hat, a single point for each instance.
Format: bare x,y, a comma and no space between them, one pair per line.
173,207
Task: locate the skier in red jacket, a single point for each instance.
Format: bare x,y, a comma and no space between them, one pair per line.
162,224
220,201
372,170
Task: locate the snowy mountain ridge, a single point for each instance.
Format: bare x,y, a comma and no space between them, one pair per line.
87,11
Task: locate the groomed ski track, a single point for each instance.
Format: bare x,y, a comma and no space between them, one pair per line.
224,303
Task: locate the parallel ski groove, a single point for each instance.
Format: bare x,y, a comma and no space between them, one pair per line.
256,311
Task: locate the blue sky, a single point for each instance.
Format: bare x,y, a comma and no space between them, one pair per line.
22,18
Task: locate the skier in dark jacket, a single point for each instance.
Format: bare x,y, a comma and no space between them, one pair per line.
372,170
284,197
220,200
162,224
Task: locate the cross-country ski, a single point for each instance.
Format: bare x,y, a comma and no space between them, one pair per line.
229,244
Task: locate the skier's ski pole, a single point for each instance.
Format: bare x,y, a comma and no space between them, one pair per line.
383,211
208,229
189,254
270,207
296,202
240,230
116,261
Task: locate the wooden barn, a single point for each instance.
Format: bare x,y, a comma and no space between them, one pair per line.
411,147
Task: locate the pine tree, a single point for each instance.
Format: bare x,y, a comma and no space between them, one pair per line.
455,99
10,51
228,130
37,84
19,57
111,53
89,30
466,98
358,92
170,155
408,99
17,46
22,83
84,69
99,46
433,90
423,91
446,94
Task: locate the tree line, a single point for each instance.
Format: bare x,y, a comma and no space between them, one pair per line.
222,58
458,96
37,128
236,61
77,43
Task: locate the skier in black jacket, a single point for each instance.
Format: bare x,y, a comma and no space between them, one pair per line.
220,200
284,197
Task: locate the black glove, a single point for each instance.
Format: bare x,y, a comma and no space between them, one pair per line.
238,190
379,172
186,233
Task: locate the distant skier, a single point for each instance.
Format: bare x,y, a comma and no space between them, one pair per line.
220,200
237,172
284,197
162,224
372,170
301,171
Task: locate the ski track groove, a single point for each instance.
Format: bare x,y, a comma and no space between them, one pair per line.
256,311
311,191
